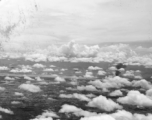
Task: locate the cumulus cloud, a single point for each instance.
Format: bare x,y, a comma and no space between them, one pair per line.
30,88
48,70
89,75
36,57
2,88
103,103
74,52
87,88
111,82
149,92
116,93
125,115
59,79
94,68
75,95
122,115
136,98
101,73
47,115
37,65
99,117
142,83
4,68
77,111
18,94
27,77
24,70
9,78
7,111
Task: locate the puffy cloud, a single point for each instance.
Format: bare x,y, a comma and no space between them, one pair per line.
63,69
111,82
19,94
122,115
113,68
88,75
15,102
142,83
52,66
36,57
87,88
136,98
116,93
129,74
125,115
101,73
149,92
59,79
99,117
2,88
74,52
4,68
48,70
94,68
9,78
30,88
41,81
4,110
77,111
47,115
75,95
24,70
103,103
77,53
27,77
37,65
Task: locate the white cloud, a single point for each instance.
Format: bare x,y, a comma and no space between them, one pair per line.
28,78
48,70
9,78
7,111
47,115
37,65
18,94
136,98
30,88
149,92
122,115
125,115
94,68
101,73
59,79
87,88
116,93
103,103
24,70
99,117
111,82
77,111
89,75
142,83
4,68
75,95
2,88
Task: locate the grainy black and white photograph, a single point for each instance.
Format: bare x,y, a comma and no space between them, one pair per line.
75,59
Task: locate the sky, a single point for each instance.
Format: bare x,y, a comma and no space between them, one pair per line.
46,22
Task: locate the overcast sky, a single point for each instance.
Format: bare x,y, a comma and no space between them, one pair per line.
88,21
